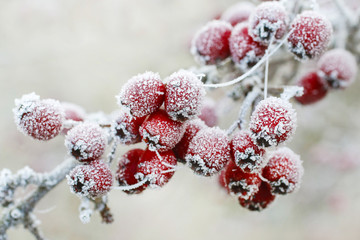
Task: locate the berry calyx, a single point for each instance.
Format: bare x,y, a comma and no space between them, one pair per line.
284,171
338,67
161,133
210,44
237,13
272,122
143,94
128,168
315,88
86,142
260,200
310,36
126,128
184,94
40,119
208,151
90,180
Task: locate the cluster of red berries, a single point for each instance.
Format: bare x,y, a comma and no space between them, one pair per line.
244,32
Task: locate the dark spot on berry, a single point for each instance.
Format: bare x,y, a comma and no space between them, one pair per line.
78,187
262,142
76,153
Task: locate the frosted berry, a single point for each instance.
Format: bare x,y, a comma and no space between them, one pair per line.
240,183
260,200
284,171
143,94
237,13
192,127
90,180
86,142
311,33
338,67
245,52
156,167
221,180
210,44
245,153
126,128
208,151
268,20
40,119
208,113
315,88
73,112
273,121
184,94
128,168
161,133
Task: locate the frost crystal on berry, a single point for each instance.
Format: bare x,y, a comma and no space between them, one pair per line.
86,142
208,151
284,171
90,180
310,36
143,94
338,67
210,44
260,200
40,119
315,88
237,13
184,94
126,128
268,20
273,121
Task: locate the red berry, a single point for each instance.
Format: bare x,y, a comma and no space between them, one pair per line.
246,154
160,132
184,94
284,171
208,151
40,119
338,67
210,44
86,142
126,128
90,180
157,167
245,52
311,33
143,94
269,20
73,112
237,13
260,200
240,183
208,113
273,121
222,180
127,168
192,127
315,88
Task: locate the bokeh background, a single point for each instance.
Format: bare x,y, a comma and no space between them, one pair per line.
83,52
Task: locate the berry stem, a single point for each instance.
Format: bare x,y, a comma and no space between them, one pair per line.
345,11
131,187
112,152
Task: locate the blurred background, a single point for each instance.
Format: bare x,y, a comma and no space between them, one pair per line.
84,51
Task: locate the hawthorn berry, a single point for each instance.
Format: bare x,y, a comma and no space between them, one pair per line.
184,94
126,128
240,183
272,122
284,171
259,200
338,67
315,88
208,113
40,119
208,151
237,13
90,180
245,153
73,112
86,142
245,52
310,35
143,94
221,180
192,127
210,45
161,133
156,167
128,168
268,20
